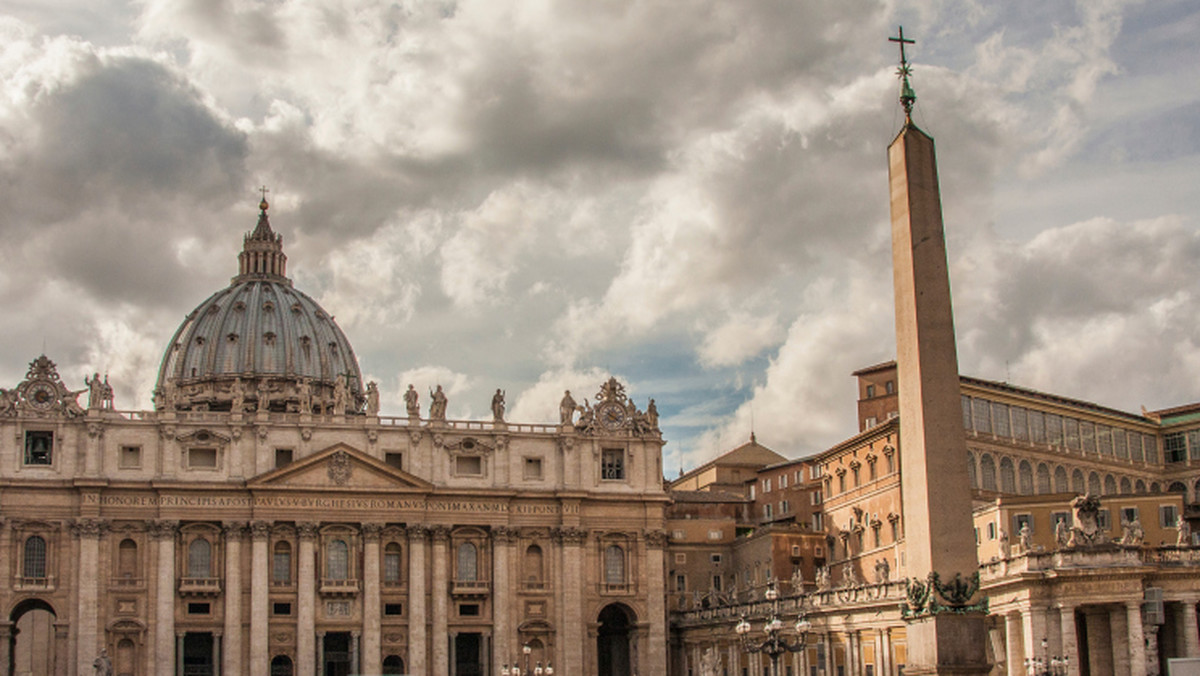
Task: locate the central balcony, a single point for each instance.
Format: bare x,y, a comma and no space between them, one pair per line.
338,587
200,586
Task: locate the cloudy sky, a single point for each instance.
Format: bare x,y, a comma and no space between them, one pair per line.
533,195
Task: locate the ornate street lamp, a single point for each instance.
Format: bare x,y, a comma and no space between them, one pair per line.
774,644
527,650
1047,665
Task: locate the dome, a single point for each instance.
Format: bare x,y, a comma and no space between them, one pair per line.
258,341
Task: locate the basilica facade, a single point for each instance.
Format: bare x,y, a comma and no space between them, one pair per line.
265,519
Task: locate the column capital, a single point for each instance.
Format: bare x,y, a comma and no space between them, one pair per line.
90,528
163,529
417,532
371,531
234,530
656,539
503,535
441,534
260,530
307,530
569,535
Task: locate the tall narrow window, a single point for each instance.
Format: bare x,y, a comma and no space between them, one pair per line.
339,560
391,563
281,571
35,557
127,558
533,564
614,565
199,558
468,562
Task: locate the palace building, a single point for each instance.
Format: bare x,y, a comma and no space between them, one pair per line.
265,519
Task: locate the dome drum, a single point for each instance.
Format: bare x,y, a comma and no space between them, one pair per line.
248,394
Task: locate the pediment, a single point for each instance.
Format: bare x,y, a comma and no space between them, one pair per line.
340,467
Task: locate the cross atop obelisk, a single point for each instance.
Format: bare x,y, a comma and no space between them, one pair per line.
946,632
907,96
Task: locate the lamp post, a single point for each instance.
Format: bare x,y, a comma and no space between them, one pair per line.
527,650
1047,665
774,643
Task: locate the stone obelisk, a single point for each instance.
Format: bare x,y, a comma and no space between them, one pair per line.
946,632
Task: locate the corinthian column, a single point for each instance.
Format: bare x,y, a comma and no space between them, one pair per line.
416,600
306,600
572,583
88,531
164,608
654,654
441,599
260,533
371,662
502,583
232,650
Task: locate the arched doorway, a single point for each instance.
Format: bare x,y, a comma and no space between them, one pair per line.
613,654
31,647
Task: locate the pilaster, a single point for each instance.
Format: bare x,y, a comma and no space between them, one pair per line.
260,534
306,583
163,533
417,642
1137,639
441,600
502,605
372,661
89,532
232,650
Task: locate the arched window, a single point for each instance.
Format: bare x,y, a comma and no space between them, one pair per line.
35,557
1126,487
1139,486
614,565
987,472
1043,479
281,665
468,560
127,558
1025,475
972,478
1061,485
339,560
199,558
1110,485
1008,478
281,563
533,564
1077,482
1154,487
1093,487
391,563
392,664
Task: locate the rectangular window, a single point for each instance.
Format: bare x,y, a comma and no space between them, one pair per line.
982,415
816,472
1000,424
680,583
612,464
1136,452
890,387
1071,433
1150,445
1103,519
784,506
393,609
130,457
1129,514
1087,432
716,559
468,610
1020,520
533,469
680,557
1174,447
766,485
468,465
816,497
767,511
39,447
1020,428
714,535
966,411
870,391
677,535
281,609
716,582
394,459
1104,440
818,521
1167,516
283,457
1054,429
199,608
991,531
1037,427
202,458
1193,440
783,481
1060,517
1120,446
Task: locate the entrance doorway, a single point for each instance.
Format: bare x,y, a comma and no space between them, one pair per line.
197,654
468,654
612,641
337,654
31,646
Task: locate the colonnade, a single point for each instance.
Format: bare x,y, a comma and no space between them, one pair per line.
859,652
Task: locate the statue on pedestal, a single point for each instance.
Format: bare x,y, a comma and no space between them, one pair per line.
566,408
411,403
